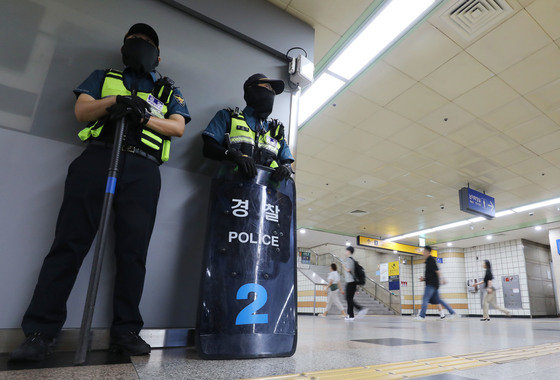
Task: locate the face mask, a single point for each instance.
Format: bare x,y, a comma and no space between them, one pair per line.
261,99
140,55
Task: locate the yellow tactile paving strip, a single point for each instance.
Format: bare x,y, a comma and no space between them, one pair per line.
426,367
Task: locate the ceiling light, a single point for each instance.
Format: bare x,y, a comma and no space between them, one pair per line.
347,243
538,228
488,237
533,206
451,225
378,34
499,214
449,244
302,230
318,93
477,219
395,251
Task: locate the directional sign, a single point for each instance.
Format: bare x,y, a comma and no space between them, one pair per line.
477,203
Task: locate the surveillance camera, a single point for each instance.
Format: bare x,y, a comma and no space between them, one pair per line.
531,213
442,207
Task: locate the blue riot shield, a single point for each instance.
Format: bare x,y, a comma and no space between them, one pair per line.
247,305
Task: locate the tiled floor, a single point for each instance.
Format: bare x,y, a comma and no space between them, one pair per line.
331,343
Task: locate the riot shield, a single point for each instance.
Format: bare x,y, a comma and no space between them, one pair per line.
247,305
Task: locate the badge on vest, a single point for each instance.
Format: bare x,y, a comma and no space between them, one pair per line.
156,106
242,128
271,141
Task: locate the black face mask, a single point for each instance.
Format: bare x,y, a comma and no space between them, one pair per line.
261,99
140,55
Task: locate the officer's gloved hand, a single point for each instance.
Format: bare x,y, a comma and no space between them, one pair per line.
133,107
245,163
282,172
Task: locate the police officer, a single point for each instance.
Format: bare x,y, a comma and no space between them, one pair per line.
154,111
248,138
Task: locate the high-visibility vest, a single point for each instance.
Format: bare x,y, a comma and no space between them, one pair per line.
144,138
264,148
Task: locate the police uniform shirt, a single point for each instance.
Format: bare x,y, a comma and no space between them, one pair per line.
139,82
220,125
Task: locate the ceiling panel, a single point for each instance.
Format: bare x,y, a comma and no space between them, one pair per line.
547,14
544,144
534,71
382,83
422,52
350,108
384,123
326,128
447,119
486,97
414,136
417,102
338,15
510,42
532,129
517,111
457,76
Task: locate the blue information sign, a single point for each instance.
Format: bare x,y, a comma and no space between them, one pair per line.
558,245
477,203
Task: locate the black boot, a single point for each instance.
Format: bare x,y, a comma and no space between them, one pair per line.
130,344
36,347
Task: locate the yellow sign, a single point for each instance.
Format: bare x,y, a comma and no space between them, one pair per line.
405,248
394,268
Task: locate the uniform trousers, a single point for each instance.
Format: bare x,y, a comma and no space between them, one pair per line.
135,204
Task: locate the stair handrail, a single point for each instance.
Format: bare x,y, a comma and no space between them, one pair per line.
375,284
323,283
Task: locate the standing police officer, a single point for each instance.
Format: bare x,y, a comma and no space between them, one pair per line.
248,138
155,111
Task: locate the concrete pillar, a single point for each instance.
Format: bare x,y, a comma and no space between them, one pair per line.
554,236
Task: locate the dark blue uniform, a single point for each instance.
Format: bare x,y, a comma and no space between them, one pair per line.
135,204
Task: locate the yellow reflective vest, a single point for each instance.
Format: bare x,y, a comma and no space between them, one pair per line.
264,148
150,141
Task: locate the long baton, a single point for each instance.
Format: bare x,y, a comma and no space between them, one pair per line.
85,329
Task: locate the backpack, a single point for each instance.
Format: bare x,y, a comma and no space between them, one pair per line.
359,273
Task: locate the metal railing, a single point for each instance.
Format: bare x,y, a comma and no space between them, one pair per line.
316,280
371,287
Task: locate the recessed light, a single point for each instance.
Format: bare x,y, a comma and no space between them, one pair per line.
302,230
488,237
538,228
449,244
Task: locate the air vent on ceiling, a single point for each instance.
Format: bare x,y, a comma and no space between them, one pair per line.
471,18
358,212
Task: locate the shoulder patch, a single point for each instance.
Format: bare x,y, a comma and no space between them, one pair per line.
179,99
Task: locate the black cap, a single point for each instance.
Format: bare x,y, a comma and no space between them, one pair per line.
144,29
277,84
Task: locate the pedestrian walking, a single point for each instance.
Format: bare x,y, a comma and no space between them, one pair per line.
333,291
433,278
490,293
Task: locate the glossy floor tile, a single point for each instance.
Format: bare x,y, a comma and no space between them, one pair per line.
332,343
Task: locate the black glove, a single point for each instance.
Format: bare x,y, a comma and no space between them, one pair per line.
282,172
131,106
245,163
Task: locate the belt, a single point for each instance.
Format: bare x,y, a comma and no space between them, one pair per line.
129,149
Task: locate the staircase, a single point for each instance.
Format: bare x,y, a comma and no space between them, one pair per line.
361,298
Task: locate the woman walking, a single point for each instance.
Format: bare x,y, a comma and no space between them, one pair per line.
490,295
333,297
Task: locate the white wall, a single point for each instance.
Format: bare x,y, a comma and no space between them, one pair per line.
453,292
507,259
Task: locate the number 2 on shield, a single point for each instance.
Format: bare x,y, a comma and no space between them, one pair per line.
247,316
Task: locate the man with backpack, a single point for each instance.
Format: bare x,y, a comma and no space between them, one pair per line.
354,275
